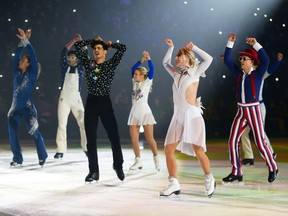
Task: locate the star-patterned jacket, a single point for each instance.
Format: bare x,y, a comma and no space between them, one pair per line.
99,77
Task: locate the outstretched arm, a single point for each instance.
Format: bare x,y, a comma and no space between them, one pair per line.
167,58
150,64
228,55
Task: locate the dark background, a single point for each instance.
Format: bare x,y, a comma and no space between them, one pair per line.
142,25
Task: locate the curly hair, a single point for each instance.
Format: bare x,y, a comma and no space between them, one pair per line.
96,42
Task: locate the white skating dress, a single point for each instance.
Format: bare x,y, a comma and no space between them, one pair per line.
141,113
187,124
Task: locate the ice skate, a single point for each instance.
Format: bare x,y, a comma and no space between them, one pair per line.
137,166
210,185
156,162
231,179
92,177
58,156
272,176
14,164
173,188
42,162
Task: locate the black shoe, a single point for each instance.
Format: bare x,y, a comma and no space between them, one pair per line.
231,178
249,162
120,173
15,164
42,162
272,176
58,155
92,177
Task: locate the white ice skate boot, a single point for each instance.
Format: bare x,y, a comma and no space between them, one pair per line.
210,185
173,188
156,162
137,166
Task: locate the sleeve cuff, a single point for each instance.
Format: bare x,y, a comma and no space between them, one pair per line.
230,44
24,43
257,46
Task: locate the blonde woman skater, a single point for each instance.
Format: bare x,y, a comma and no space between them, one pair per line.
186,132
140,114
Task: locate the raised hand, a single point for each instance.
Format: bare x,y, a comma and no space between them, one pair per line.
279,56
77,37
189,46
232,37
169,42
251,41
21,34
28,33
146,55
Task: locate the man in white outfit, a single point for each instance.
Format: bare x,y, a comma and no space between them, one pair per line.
70,99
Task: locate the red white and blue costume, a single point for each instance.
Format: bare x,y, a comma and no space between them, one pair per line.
248,113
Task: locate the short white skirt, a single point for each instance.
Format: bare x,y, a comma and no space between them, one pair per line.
141,114
187,127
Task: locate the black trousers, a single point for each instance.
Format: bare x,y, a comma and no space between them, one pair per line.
95,107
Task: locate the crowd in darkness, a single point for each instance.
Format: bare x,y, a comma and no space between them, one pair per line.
142,25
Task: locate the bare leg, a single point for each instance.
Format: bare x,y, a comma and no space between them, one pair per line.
171,160
203,159
148,131
134,134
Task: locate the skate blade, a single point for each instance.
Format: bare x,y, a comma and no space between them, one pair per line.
135,171
91,182
16,166
210,195
175,194
235,183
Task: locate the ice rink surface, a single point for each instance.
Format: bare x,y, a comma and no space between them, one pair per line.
58,189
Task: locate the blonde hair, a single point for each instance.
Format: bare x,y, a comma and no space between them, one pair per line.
189,54
143,71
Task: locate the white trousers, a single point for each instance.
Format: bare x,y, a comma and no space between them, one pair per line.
245,138
70,102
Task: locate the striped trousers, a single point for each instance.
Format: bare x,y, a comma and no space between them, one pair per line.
249,114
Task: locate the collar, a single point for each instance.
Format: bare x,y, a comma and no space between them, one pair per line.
252,69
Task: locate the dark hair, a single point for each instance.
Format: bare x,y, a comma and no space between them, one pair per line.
96,42
27,57
71,52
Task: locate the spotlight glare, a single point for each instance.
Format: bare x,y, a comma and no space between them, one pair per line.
258,9
283,25
37,88
1,75
276,79
212,9
9,20
220,32
265,15
224,76
255,14
118,41
59,87
13,54
26,20
74,10
270,20
185,2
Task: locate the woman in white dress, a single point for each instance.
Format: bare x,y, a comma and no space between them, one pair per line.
141,114
186,132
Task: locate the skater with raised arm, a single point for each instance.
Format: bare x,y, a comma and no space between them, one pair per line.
253,64
141,114
26,72
186,131
72,73
99,76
